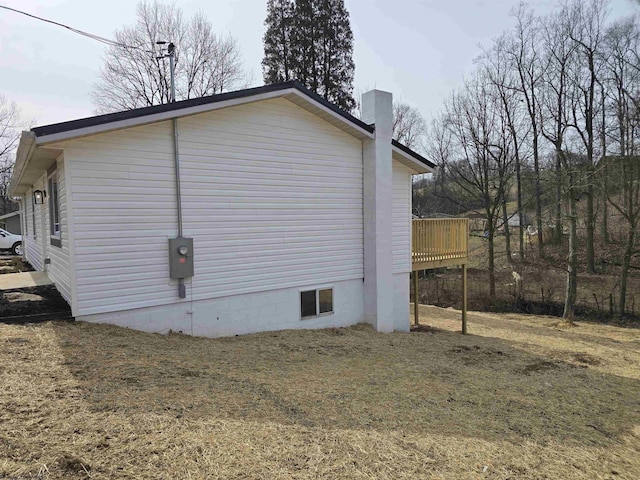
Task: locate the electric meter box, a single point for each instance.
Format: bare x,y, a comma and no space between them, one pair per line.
180,257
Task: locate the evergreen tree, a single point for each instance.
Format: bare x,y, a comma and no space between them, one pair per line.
335,54
311,41
276,64
305,39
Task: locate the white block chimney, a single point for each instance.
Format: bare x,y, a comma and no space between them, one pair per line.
377,108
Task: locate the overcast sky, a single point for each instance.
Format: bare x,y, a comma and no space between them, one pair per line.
417,49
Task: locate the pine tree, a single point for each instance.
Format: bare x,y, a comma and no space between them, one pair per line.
305,38
312,42
335,54
276,64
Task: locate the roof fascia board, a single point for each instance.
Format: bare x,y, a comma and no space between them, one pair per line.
25,149
413,163
367,133
156,117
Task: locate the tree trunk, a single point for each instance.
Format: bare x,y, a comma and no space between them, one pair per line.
605,208
536,169
572,264
626,261
520,212
603,144
558,209
492,259
507,231
591,262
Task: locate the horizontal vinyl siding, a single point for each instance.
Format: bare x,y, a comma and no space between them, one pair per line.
401,218
271,195
123,193
58,270
273,198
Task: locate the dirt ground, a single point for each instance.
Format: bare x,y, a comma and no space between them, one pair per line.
13,264
31,301
519,398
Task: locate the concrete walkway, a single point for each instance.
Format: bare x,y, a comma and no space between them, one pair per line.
9,281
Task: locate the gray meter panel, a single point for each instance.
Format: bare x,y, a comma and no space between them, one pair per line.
180,257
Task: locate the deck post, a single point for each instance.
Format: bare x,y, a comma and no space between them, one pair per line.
464,298
416,305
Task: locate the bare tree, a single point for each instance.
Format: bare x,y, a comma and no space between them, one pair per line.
132,77
586,30
619,120
479,154
620,173
10,126
621,77
626,200
559,54
409,127
529,66
500,70
559,51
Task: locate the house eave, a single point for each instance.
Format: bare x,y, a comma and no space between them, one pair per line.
411,159
291,91
31,162
23,154
39,147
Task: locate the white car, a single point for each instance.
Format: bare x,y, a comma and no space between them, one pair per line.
9,241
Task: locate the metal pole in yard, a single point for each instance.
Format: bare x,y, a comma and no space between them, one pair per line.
416,306
464,298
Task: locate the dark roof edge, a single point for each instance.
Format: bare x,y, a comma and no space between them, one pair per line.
413,154
168,107
221,97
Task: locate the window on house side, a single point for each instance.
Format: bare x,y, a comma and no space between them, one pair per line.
316,302
325,300
308,304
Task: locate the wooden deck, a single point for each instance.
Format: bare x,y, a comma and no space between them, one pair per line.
439,242
436,243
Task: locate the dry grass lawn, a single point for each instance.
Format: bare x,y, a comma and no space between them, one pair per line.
519,398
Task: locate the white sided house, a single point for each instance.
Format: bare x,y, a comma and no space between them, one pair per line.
263,209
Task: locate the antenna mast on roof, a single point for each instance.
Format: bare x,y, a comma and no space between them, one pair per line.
169,51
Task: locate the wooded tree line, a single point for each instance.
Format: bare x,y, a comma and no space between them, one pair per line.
550,118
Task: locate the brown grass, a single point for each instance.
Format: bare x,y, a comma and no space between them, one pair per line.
517,399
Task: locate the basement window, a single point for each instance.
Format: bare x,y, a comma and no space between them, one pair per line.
314,303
